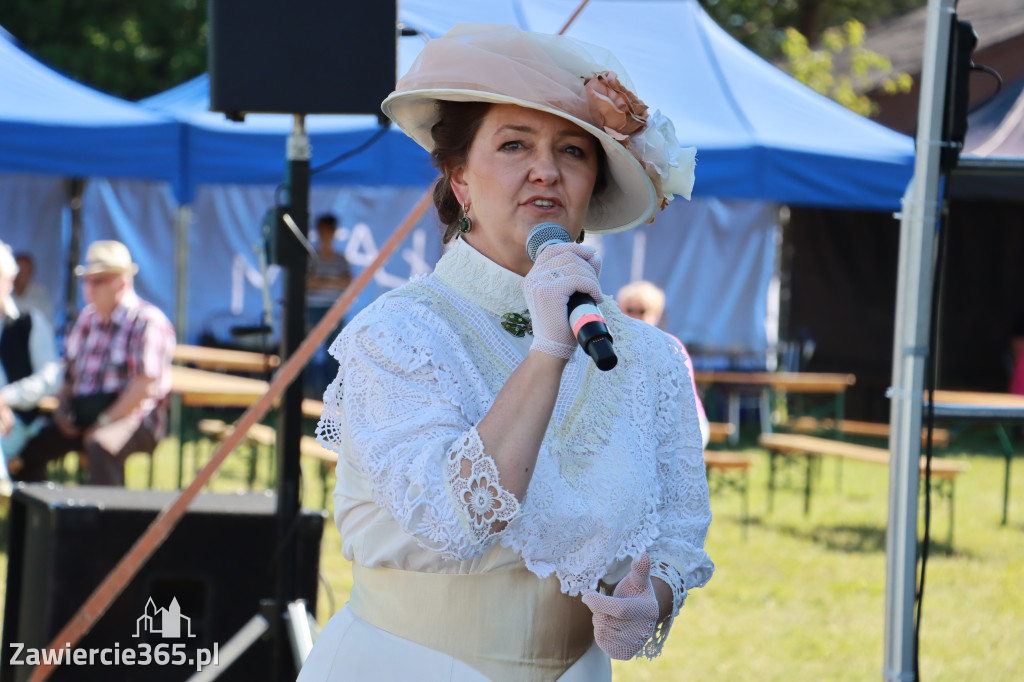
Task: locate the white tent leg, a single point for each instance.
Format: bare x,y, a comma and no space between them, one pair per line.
181,225
916,271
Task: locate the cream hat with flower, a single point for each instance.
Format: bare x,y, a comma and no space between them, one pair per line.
107,255
559,75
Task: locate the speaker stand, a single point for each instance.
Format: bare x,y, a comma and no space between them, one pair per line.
284,619
299,623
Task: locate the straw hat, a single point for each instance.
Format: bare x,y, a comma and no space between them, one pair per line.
107,255
559,75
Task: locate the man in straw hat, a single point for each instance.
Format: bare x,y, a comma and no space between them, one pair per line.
29,368
117,374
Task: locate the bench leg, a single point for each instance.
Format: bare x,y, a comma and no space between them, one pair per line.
952,496
765,410
771,481
807,484
1004,440
734,417
744,506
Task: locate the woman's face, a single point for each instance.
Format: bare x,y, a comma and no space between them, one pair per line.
524,167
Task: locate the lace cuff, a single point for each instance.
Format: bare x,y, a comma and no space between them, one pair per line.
674,579
471,476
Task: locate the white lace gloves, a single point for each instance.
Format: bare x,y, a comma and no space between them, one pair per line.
560,271
625,621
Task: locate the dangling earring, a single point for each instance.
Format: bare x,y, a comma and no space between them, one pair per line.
465,223
579,240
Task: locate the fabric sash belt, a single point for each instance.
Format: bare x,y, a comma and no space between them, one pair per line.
508,624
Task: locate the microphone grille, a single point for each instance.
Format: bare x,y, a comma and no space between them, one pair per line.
541,234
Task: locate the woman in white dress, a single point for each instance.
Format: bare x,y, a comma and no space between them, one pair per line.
512,512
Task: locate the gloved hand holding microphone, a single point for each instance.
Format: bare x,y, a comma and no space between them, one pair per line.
561,291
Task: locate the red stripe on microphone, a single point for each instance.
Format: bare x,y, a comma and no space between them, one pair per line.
584,319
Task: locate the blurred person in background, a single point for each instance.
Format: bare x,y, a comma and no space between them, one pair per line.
328,277
1017,356
117,377
28,293
642,300
29,368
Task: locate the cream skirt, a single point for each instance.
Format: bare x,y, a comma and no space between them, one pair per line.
351,650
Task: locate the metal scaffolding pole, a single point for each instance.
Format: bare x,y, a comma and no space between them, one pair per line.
910,348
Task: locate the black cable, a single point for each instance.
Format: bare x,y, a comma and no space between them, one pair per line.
352,152
999,86
379,133
931,369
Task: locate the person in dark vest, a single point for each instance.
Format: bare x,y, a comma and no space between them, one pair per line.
117,374
29,369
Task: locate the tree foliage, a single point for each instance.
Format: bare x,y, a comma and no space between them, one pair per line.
761,24
127,48
859,70
134,49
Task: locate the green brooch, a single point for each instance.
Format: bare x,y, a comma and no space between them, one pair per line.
517,324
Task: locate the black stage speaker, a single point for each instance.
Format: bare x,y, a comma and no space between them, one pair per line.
301,56
210,574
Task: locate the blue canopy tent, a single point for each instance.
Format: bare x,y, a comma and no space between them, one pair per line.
759,133
53,128
54,125
761,136
219,151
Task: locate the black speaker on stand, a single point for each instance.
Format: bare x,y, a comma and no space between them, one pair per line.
308,57
218,563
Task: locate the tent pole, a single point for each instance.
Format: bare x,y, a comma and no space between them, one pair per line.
76,188
181,224
910,349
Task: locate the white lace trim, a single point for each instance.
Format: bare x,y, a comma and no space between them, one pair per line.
480,280
474,487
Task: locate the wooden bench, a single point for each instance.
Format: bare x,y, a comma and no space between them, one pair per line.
730,470
944,472
850,427
719,432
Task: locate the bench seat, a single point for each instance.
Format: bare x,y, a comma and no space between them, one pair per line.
944,472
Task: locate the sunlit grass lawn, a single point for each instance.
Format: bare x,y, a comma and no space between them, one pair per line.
802,597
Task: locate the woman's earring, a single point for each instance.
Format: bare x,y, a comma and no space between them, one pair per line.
465,223
583,233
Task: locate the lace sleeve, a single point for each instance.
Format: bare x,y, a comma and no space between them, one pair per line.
678,555
397,410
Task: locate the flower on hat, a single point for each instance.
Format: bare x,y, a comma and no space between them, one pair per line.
651,138
669,166
613,107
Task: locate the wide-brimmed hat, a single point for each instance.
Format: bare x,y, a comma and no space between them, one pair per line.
581,83
107,255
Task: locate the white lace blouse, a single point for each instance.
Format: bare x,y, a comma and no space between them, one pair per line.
620,471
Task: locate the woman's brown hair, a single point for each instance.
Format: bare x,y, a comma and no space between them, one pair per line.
453,134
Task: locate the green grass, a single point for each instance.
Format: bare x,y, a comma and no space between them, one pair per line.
802,597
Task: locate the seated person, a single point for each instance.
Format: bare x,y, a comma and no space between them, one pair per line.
328,277
29,368
29,294
645,301
1017,356
117,376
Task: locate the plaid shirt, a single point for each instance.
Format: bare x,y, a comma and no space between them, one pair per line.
104,358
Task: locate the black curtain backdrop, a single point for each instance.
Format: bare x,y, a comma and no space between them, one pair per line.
843,284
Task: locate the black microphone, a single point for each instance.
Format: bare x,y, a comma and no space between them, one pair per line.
586,320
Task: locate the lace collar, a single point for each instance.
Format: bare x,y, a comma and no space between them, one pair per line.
480,280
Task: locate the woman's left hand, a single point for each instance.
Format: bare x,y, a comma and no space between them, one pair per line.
625,621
